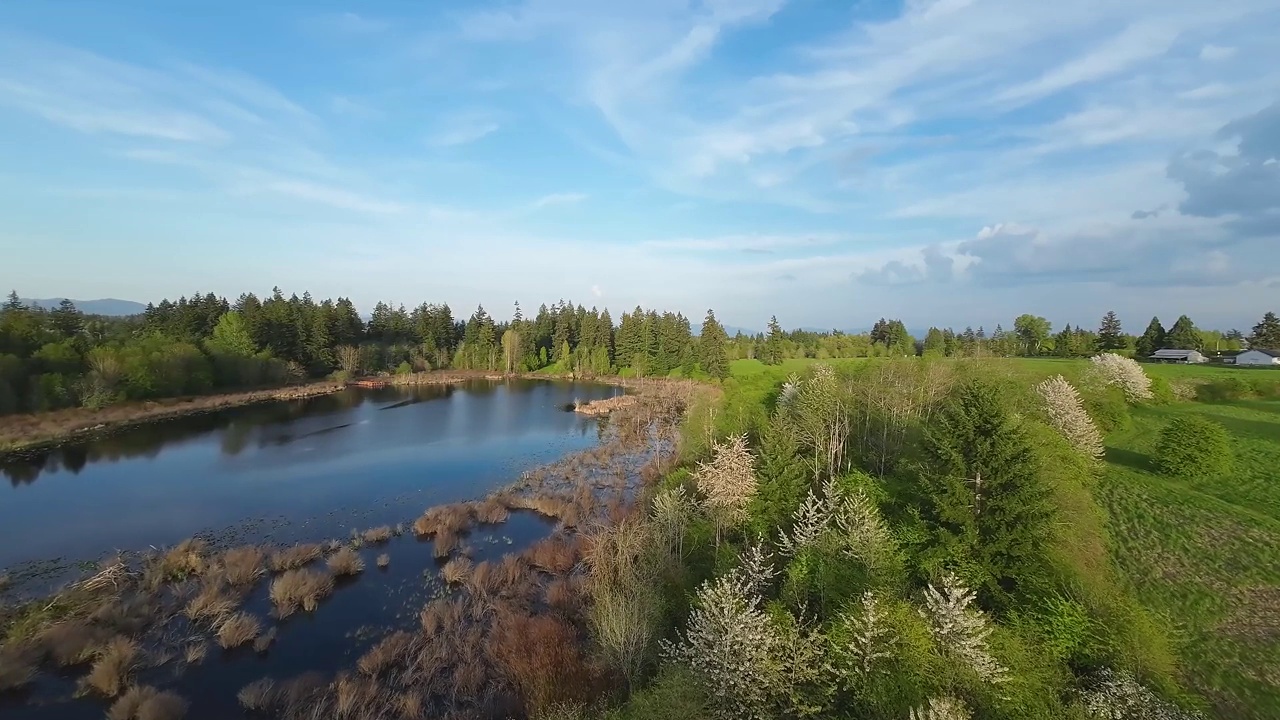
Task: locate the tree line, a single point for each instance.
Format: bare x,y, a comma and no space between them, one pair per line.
51,359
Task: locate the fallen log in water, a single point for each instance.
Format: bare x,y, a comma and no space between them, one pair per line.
604,407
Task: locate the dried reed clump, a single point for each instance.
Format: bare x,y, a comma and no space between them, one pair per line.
551,506
113,666
377,535
445,543
237,630
383,560
244,565
294,557
453,518
389,651
263,643
345,562
300,588
441,615
73,642
143,702
258,695
1125,373
562,594
195,653
212,603
540,655
491,511
554,554
1067,415
17,667
456,571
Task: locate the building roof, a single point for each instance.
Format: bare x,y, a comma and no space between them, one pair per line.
1272,353
1171,353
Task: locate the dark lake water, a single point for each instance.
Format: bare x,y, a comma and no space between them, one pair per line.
305,470
308,469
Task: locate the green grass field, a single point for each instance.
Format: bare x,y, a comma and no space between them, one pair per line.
1202,554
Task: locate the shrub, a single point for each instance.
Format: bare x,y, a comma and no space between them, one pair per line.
238,630
1125,373
345,562
1229,389
1067,415
1118,695
540,656
114,665
1192,446
404,368
728,481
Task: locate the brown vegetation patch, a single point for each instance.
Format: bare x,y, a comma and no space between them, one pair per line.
143,702
394,648
263,643
194,653
562,595
243,566
377,535
445,543
491,511
300,588
258,695
183,560
442,614
346,562
294,557
606,406
73,642
540,655
237,630
453,518
114,665
556,554
383,560
17,667
214,602
456,571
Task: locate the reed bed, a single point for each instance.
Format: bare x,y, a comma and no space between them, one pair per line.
457,571
300,588
378,535
383,561
113,666
297,556
453,518
243,566
345,563
237,630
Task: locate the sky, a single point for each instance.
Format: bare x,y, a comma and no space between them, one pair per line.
946,162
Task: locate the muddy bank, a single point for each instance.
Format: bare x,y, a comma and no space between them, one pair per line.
604,407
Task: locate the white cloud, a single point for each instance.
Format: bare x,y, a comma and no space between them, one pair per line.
1216,52
463,131
759,244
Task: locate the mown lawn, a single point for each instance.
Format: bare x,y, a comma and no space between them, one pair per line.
1205,553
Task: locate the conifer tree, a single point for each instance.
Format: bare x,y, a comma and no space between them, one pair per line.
773,352
1183,335
711,348
1110,335
1266,334
984,501
1152,339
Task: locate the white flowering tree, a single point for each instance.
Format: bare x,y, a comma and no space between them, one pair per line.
848,518
1125,373
1118,696
871,641
1067,415
961,630
728,482
941,708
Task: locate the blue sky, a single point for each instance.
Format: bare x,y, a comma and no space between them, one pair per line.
946,162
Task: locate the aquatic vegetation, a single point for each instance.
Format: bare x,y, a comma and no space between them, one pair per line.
541,656
555,554
237,630
383,560
263,642
300,588
181,561
452,518
212,603
456,571
446,542
345,562
491,511
294,557
390,650
243,566
195,653
143,702
377,535
73,642
258,695
17,667
114,665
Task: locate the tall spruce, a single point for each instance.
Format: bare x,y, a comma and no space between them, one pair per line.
1153,339
711,347
773,352
1266,334
1110,334
1184,336
984,500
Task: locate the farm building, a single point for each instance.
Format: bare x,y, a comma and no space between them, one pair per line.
1257,357
1179,356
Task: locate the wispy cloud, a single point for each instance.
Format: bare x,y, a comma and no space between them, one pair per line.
463,132
566,198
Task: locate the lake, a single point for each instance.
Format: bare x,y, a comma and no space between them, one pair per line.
307,469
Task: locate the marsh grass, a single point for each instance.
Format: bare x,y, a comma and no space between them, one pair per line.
195,653
263,642
453,519
457,571
212,603
114,665
237,630
296,556
73,642
383,561
143,702
17,667
299,588
555,554
491,511
345,563
445,543
185,559
243,566
259,695
540,655
392,649
377,535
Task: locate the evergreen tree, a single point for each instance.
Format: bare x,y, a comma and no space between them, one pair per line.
711,347
67,320
1183,335
1152,339
984,501
1266,334
1110,335
773,352
934,342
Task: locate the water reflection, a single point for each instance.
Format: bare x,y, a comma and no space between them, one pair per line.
314,462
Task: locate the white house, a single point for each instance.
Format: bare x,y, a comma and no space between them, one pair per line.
1258,357
1179,356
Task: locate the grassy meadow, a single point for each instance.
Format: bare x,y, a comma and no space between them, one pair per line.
1202,555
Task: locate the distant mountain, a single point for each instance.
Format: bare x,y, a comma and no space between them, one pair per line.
104,306
731,330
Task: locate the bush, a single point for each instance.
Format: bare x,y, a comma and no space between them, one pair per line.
1228,389
1193,446
404,368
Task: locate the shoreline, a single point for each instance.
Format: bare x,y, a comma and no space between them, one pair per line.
34,432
